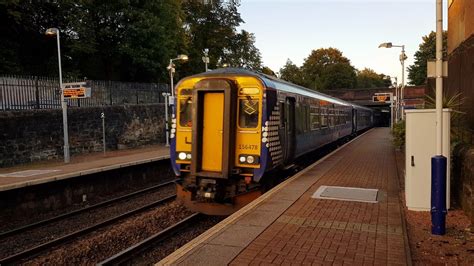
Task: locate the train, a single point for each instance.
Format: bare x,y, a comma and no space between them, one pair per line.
231,126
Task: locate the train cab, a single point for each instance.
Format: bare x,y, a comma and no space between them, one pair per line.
216,137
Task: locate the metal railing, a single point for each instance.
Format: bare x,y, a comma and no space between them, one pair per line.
32,92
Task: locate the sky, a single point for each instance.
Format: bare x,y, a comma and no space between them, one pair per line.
291,29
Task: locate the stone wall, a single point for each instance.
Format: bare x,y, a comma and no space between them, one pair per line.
33,135
463,179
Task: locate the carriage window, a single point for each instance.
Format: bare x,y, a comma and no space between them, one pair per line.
315,118
324,118
248,113
185,112
331,117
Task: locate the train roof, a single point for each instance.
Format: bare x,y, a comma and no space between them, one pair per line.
279,84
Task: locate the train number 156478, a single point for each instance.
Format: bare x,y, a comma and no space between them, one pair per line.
248,147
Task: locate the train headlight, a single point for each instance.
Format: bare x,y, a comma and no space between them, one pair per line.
183,155
250,159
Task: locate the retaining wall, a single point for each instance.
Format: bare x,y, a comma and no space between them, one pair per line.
33,135
463,179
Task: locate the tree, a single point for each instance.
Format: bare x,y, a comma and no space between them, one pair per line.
427,50
122,40
154,34
24,48
292,73
327,68
242,52
368,78
214,26
268,71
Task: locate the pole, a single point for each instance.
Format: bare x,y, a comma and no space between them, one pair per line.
63,105
402,59
439,162
393,115
205,58
439,77
165,94
102,115
397,99
171,78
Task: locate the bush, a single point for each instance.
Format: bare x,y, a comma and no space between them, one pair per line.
398,133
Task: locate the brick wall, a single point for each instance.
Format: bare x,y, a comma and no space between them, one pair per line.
463,179
27,136
460,22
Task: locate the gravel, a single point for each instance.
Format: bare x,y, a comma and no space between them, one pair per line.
103,243
165,248
10,223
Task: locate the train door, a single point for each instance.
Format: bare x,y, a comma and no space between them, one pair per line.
354,120
213,137
212,131
290,131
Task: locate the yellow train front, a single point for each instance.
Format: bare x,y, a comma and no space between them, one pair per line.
216,136
231,126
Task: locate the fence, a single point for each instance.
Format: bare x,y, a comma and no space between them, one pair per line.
22,92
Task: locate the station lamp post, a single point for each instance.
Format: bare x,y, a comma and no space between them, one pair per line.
169,98
396,100
439,162
205,58
403,57
52,32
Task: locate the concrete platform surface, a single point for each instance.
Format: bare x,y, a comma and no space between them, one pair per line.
287,226
39,173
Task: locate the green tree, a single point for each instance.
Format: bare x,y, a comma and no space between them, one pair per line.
24,48
154,34
214,26
368,78
242,52
292,73
122,40
426,51
327,68
268,71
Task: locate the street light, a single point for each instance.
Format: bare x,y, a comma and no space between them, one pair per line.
52,32
397,100
439,163
171,69
169,99
205,58
402,57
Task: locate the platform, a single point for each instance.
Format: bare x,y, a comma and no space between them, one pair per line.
290,225
34,174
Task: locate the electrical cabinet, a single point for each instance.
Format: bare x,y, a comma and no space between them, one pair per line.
420,146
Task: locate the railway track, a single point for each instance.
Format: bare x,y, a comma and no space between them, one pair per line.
126,255
29,252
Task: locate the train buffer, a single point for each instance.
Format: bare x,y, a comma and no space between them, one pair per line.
345,208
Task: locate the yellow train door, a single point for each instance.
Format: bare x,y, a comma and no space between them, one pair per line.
213,120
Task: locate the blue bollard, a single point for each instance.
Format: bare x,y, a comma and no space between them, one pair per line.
438,195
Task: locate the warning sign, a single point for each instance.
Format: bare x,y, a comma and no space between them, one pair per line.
76,90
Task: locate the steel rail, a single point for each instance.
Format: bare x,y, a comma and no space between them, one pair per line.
37,249
79,211
125,255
